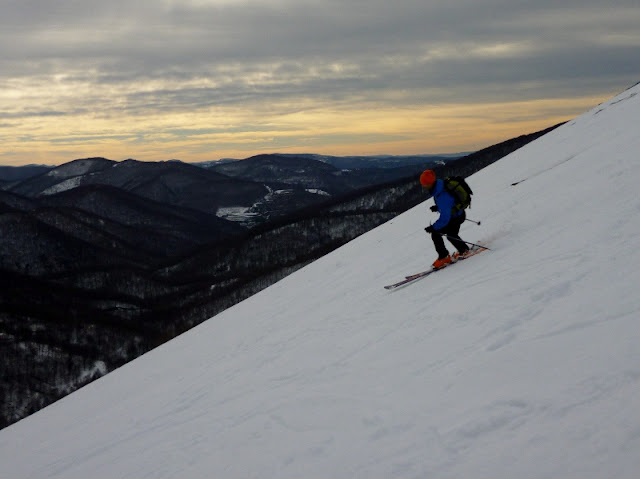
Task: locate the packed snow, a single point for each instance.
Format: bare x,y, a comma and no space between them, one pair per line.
521,362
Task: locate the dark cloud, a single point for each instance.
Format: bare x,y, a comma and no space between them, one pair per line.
140,57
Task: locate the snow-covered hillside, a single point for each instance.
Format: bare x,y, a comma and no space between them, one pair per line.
522,362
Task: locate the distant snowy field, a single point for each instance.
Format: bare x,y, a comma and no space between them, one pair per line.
522,362
242,214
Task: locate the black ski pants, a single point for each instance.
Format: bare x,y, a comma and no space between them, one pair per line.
451,230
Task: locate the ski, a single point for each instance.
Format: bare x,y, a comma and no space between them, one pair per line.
409,279
413,277
472,252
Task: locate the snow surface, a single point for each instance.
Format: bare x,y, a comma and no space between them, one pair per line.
235,213
65,185
316,191
522,362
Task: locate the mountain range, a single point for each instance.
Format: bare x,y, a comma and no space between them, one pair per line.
520,362
102,261
247,191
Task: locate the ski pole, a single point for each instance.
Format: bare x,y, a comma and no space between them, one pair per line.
467,242
476,222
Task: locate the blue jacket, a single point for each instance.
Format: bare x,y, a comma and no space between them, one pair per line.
445,203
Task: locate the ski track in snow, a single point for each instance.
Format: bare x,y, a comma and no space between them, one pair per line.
520,362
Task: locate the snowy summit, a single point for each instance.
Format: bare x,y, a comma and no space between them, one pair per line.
521,362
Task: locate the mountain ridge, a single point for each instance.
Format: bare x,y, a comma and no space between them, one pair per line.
164,271
247,192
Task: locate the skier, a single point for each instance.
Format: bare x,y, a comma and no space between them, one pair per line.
449,222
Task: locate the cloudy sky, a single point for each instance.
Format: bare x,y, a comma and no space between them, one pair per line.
206,79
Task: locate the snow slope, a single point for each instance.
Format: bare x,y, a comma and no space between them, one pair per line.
520,362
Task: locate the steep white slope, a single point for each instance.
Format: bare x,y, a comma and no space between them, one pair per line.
520,362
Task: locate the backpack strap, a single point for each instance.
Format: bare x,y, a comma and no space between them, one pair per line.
458,188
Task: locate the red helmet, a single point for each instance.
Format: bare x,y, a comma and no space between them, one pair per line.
427,178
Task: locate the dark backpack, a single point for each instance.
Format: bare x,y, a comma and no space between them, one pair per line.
460,190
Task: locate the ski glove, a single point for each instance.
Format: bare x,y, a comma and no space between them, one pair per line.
434,208
429,229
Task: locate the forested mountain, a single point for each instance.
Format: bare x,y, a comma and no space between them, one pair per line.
248,192
173,183
14,174
98,268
